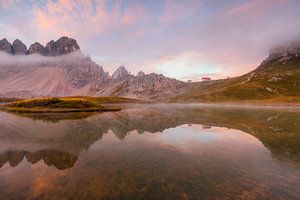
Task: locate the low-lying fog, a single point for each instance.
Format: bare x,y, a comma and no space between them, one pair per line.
214,105
35,59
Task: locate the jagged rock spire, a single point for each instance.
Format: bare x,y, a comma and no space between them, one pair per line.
63,45
5,46
37,48
19,48
120,73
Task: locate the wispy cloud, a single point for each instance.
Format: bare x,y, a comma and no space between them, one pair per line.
7,3
174,11
254,8
82,18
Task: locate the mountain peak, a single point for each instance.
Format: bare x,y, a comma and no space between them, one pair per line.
141,74
63,45
120,73
19,48
37,48
5,46
4,40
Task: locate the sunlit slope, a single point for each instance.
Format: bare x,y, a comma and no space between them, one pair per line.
274,80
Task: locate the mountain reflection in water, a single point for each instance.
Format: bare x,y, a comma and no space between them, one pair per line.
60,160
152,152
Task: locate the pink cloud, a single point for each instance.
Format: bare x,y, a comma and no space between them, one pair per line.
133,14
82,19
7,3
253,8
176,10
195,64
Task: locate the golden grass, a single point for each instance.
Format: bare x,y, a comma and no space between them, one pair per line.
105,100
7,100
57,110
60,105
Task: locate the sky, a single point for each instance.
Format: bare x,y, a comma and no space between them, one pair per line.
183,39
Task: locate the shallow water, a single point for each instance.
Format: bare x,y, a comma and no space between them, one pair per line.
152,152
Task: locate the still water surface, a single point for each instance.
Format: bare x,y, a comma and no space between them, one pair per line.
152,152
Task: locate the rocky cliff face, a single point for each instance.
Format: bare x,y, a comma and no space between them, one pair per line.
19,48
84,72
5,46
153,86
62,46
62,70
120,74
37,48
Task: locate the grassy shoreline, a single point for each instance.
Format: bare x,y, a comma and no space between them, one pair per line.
57,110
104,104
58,105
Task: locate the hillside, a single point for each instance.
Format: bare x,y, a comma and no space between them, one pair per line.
277,79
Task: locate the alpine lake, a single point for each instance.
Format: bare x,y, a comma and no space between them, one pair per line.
152,151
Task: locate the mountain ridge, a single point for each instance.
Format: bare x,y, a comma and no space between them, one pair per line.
63,45
61,69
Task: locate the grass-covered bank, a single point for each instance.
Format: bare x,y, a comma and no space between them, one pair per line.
106,100
7,100
63,104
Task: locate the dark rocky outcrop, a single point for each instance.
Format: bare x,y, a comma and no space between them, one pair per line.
5,46
62,46
37,48
19,48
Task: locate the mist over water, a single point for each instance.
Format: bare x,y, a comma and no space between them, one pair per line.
152,151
